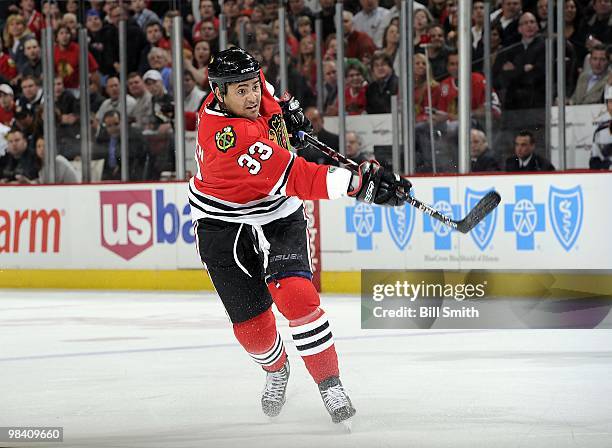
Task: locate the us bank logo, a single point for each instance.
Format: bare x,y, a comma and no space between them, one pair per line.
524,217
565,208
363,220
400,222
483,232
442,233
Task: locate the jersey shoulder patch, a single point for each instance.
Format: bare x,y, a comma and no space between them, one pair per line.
225,139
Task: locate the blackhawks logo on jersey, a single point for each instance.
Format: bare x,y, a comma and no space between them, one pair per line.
278,131
225,139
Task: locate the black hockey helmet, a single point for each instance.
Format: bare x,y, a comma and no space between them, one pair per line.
231,65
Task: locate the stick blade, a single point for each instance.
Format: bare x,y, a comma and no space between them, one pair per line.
480,211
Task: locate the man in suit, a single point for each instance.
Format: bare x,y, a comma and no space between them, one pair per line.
590,86
482,157
525,158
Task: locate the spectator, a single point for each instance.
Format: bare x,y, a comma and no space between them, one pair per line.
4,130
207,13
481,155
372,20
307,65
355,90
354,148
64,171
33,66
478,18
596,29
67,113
8,68
329,48
450,23
522,79
193,95
66,59
112,102
154,35
263,33
18,164
383,87
421,93
70,20
572,23
508,17
95,97
330,139
210,34
198,65
162,103
108,147
391,44
15,34
258,15
304,25
327,15
167,25
358,44
72,6
525,158
590,86
437,52
292,43
297,9
34,19
143,109
601,151
422,21
93,24
330,88
158,60
31,124
143,15
7,105
31,94
394,11
541,14
437,8
134,44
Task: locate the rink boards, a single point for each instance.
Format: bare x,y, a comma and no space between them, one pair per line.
140,235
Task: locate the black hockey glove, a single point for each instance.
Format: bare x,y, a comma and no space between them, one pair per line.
295,120
377,185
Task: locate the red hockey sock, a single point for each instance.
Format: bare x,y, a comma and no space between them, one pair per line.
298,300
262,341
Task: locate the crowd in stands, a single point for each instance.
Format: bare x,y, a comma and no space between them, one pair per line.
372,68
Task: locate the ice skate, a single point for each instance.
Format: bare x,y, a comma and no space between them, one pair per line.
273,395
336,401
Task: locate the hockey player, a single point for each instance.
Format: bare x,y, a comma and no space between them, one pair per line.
251,232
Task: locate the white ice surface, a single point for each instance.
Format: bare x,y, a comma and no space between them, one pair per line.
164,370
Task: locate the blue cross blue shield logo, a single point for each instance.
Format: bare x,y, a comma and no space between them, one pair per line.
400,222
565,209
363,220
524,217
482,234
442,233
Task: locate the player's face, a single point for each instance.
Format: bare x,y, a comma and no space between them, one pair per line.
243,98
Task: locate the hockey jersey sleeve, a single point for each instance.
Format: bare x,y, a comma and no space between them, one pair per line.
275,171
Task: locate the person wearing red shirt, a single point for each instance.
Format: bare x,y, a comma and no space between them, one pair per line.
66,58
34,19
251,232
358,44
8,68
355,101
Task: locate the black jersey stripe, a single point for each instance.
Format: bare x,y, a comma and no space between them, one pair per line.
229,208
238,214
307,334
286,175
316,343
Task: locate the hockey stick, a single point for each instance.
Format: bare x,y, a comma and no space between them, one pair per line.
485,206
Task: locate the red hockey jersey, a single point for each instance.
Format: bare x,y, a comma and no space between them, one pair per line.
246,172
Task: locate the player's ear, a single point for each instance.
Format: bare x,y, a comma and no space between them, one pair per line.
218,94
